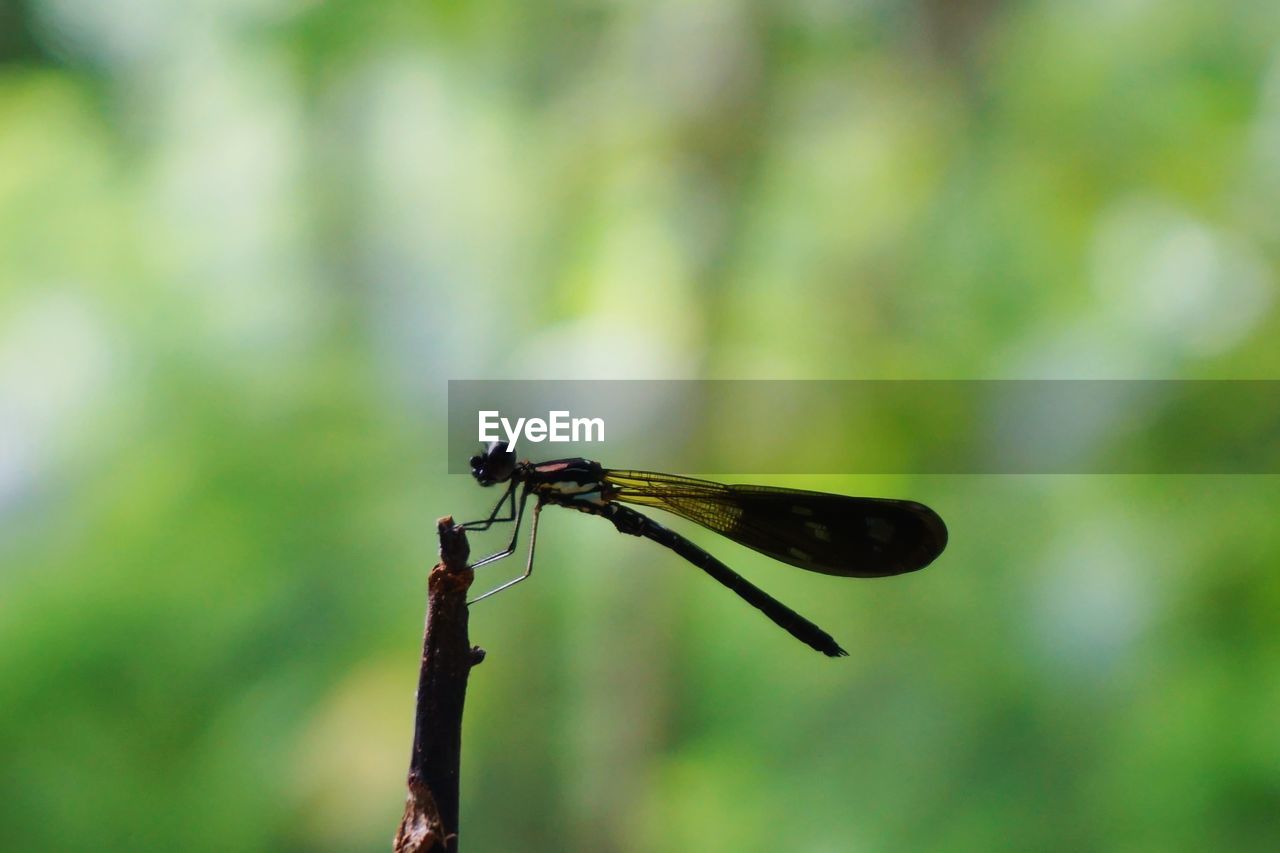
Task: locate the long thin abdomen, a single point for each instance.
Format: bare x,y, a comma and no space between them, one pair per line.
629,521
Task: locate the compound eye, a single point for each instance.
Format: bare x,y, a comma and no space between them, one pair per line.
477,461
501,463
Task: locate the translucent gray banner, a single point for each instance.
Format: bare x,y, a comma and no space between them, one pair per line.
884,426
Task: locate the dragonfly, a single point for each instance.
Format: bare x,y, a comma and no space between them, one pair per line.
853,537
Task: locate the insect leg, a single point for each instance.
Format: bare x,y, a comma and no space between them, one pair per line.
515,534
528,566
493,519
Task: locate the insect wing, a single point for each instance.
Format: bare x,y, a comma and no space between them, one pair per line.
831,534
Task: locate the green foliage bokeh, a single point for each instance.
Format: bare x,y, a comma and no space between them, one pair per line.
244,245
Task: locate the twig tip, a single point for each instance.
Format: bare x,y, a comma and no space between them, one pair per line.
454,548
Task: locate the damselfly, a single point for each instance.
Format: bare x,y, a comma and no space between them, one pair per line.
831,534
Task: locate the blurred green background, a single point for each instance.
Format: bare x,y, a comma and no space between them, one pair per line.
243,245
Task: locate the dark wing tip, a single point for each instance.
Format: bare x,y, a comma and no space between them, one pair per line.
929,539
938,534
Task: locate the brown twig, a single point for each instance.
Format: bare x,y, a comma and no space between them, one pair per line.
430,821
